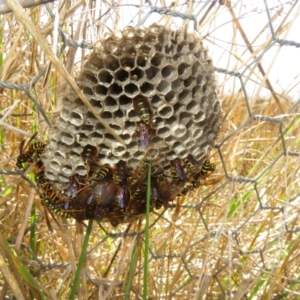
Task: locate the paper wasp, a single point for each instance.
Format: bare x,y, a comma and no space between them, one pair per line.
91,194
101,174
137,181
49,196
144,133
75,186
191,163
61,209
141,173
162,186
43,183
35,149
155,195
117,191
207,168
115,215
118,186
187,188
141,107
177,171
68,209
139,193
88,155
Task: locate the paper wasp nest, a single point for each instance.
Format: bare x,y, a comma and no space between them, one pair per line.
171,70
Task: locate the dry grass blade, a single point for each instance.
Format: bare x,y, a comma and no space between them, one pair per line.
25,220
11,280
4,8
246,287
261,69
14,129
22,17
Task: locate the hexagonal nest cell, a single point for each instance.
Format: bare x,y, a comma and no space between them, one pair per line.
156,89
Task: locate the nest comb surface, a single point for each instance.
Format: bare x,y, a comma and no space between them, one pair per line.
171,69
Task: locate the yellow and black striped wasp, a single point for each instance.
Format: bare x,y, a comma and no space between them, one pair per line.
67,203
140,174
83,193
207,169
142,108
101,175
156,198
75,185
177,171
198,173
138,186
191,164
160,190
89,155
144,134
117,192
33,153
64,209
49,196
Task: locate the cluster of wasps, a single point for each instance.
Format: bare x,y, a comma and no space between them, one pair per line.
113,193
142,108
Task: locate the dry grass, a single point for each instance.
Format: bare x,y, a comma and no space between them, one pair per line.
237,235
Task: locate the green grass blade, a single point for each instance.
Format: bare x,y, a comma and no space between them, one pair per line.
32,230
20,270
81,260
133,263
145,287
